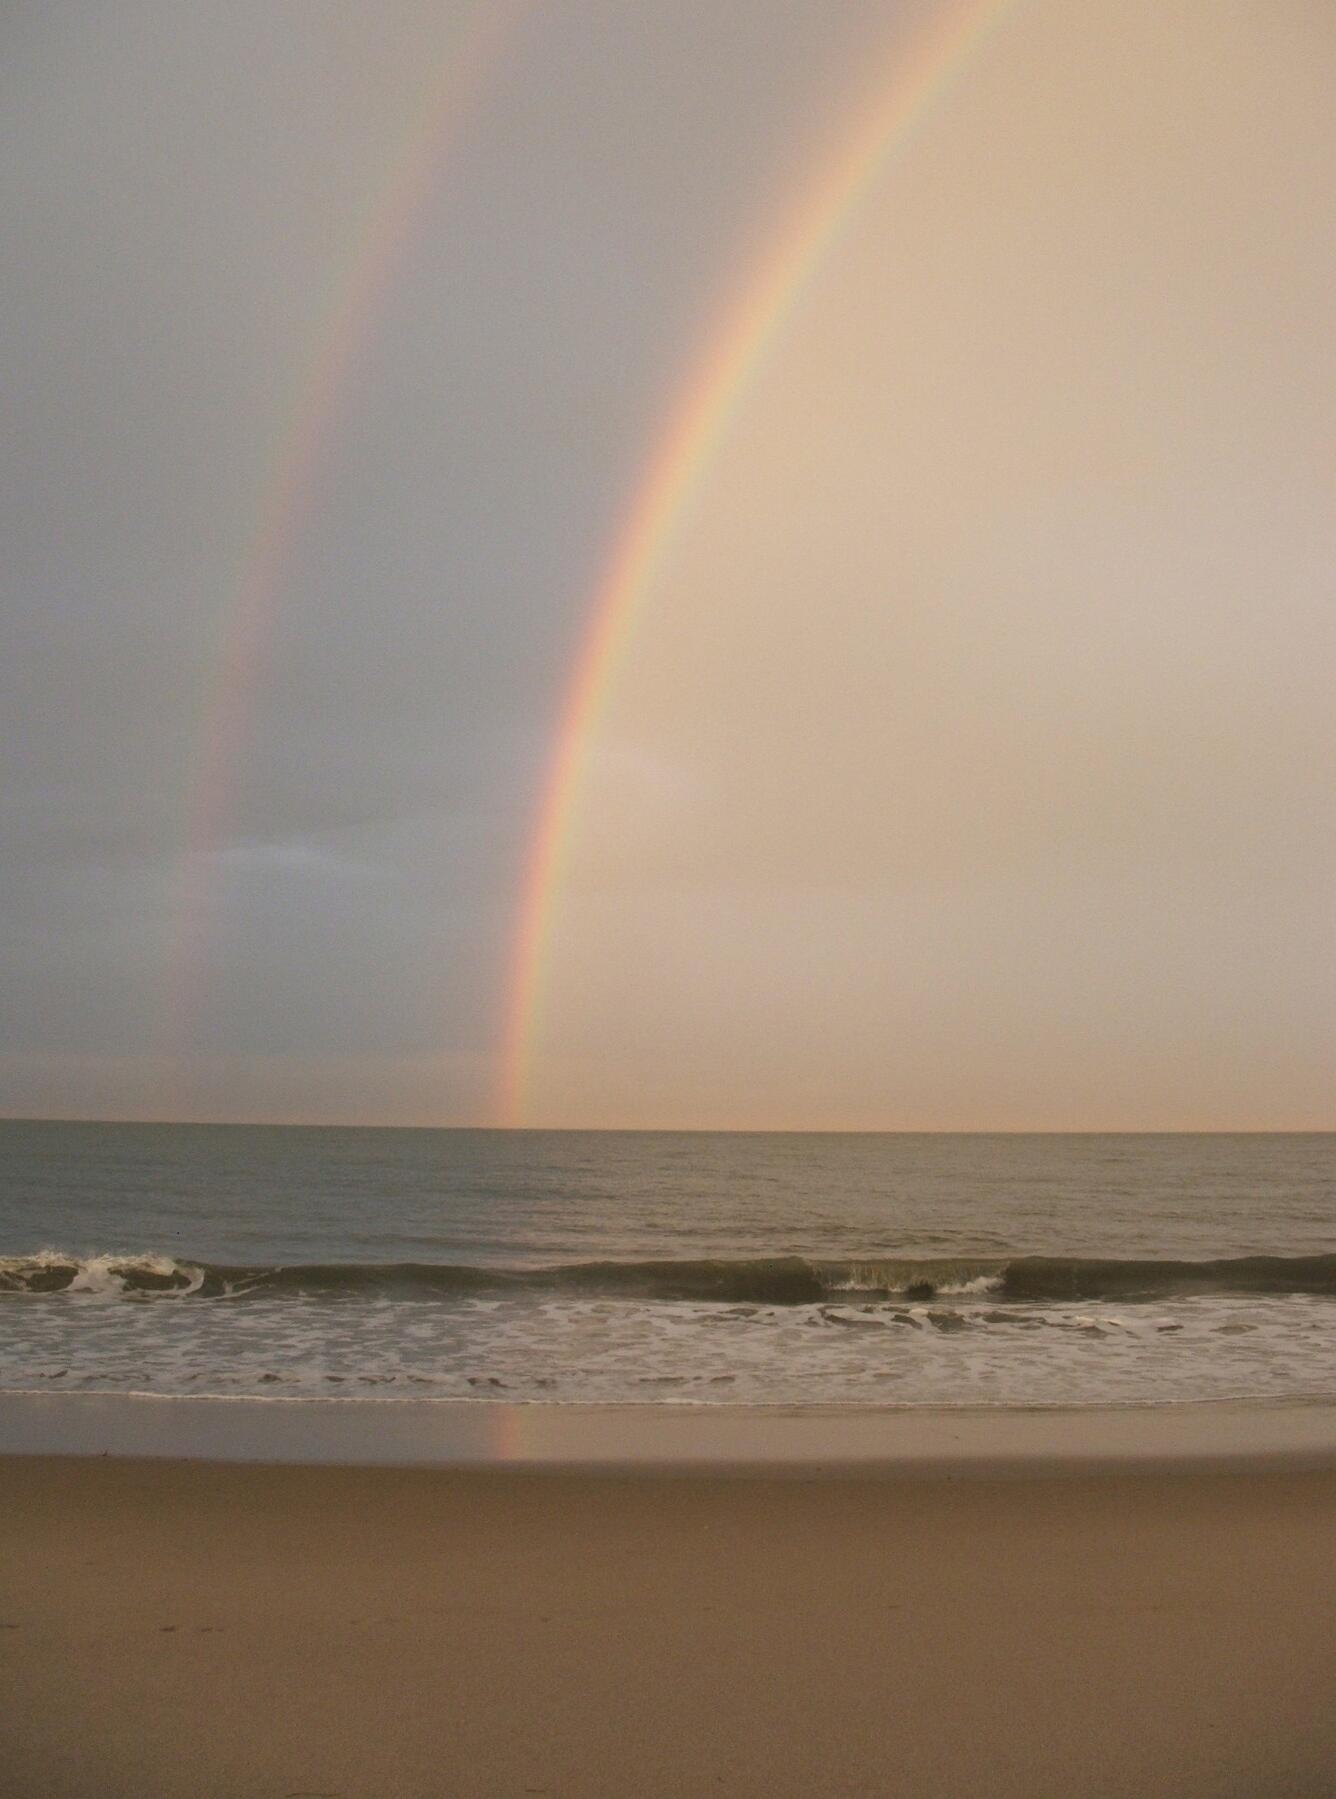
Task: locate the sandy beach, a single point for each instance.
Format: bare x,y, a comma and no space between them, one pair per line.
177,1627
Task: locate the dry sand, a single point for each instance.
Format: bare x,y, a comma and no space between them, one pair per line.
193,1628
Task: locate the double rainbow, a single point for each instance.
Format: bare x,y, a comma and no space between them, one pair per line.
697,423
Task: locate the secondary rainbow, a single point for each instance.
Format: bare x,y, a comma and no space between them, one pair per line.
764,301
289,484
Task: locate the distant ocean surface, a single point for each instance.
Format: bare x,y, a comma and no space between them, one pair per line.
702,1268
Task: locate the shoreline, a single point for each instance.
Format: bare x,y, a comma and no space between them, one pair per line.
478,1434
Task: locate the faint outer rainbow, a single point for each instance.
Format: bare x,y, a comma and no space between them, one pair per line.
289,482
918,75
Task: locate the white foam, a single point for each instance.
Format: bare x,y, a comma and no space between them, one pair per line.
103,1276
563,1349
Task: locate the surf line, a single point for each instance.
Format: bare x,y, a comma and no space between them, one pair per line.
707,401
288,489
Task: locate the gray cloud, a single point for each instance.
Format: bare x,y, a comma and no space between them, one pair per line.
973,759
182,195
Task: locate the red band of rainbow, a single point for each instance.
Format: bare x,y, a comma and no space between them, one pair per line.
916,79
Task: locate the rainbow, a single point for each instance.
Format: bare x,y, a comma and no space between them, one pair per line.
692,433
289,483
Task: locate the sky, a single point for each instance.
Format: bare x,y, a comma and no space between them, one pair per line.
968,760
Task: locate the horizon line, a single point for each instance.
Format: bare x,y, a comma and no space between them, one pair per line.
688,1130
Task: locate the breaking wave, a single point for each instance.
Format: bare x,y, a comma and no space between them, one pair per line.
766,1280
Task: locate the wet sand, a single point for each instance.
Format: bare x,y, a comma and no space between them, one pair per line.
174,1627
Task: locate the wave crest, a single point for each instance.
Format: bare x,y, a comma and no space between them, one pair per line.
762,1280
109,1276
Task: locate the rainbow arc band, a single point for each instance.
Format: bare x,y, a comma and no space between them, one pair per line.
917,77
289,485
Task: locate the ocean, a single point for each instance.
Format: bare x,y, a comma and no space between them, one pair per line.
854,1270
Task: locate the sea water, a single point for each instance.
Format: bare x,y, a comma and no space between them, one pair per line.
894,1270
